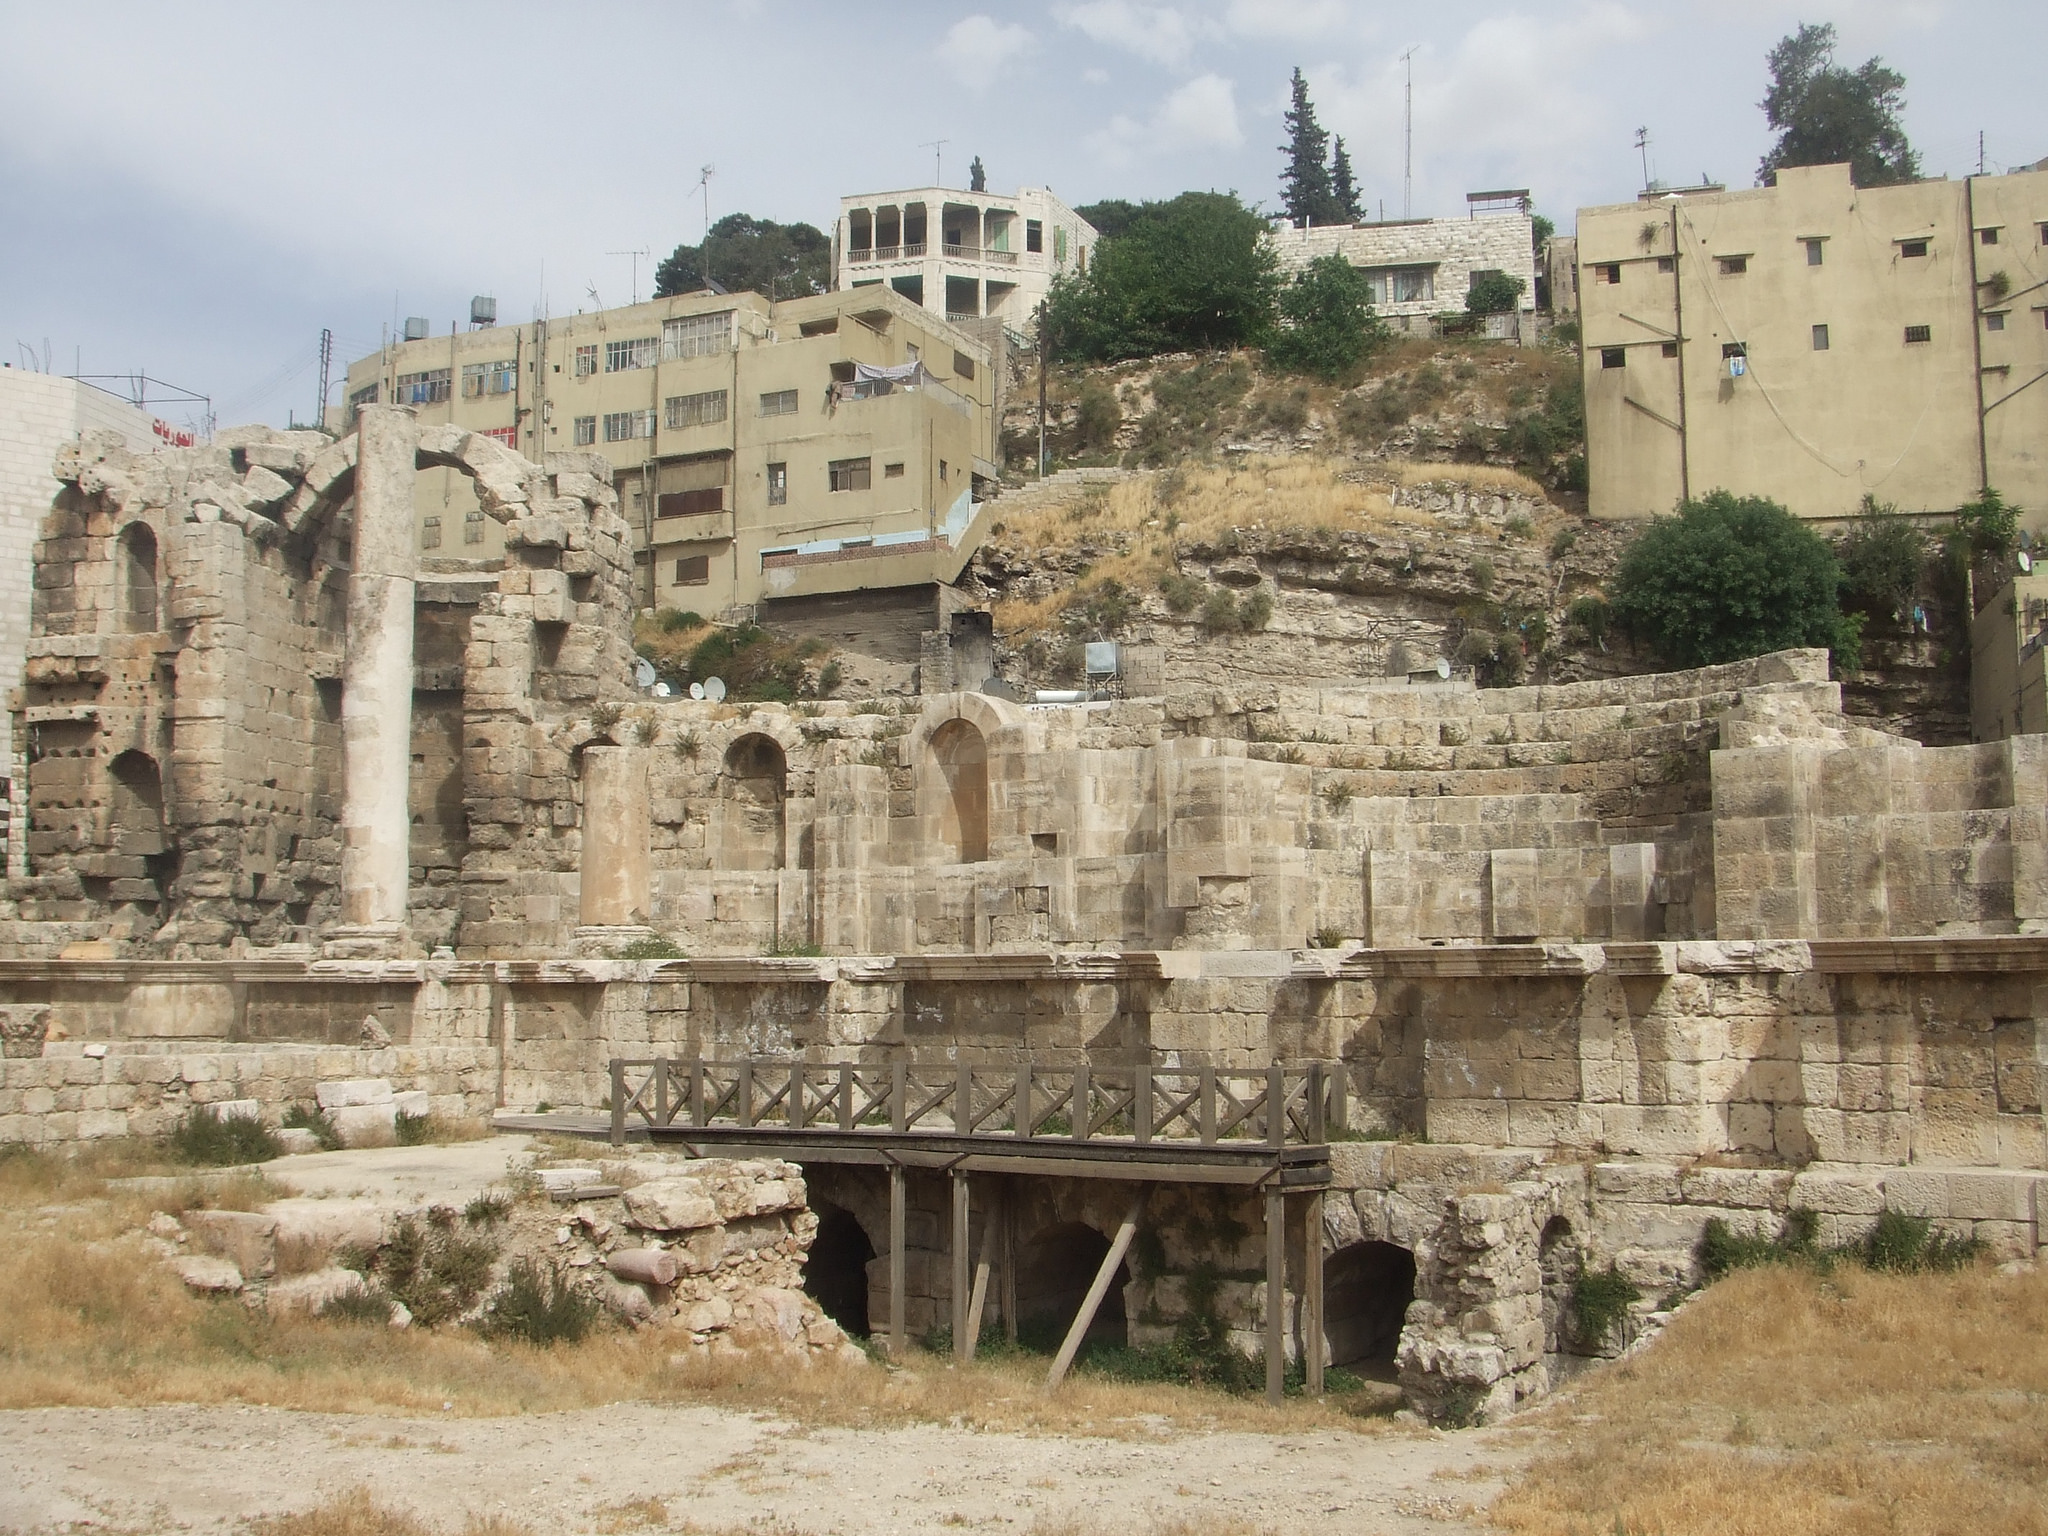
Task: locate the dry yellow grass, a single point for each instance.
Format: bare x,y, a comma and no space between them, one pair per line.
1478,477
1788,1403
356,1513
93,1320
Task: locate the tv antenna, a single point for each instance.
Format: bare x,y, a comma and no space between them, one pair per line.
937,147
636,255
1408,136
704,250
1643,148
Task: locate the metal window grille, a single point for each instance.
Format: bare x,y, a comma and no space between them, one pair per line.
1919,333
624,356
852,474
697,335
1734,266
696,410
473,527
693,571
430,533
778,485
780,402
586,361
367,395
624,426
586,431
509,436
427,388
1912,247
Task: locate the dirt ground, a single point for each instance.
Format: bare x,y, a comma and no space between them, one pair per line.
204,1469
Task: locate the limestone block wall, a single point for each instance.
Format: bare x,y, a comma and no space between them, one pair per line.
56,1099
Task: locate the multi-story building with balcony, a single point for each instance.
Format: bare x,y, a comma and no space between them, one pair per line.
761,450
965,255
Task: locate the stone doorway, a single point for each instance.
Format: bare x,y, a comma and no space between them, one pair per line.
1366,1291
1054,1270
961,757
836,1273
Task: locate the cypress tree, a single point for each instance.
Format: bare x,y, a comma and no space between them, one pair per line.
1343,185
1305,183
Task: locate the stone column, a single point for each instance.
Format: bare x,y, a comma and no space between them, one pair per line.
376,698
616,878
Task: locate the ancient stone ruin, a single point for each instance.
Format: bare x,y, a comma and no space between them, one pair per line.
1547,977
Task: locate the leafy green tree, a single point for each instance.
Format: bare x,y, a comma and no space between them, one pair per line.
1305,190
1824,114
1111,217
1343,184
1192,274
1729,578
1881,557
1329,327
1492,293
746,254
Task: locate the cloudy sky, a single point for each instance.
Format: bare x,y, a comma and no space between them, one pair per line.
197,189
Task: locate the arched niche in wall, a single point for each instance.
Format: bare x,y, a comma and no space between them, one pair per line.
959,755
136,570
753,798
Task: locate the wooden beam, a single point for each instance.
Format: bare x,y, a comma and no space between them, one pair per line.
1092,1302
963,1349
1009,1226
1312,1341
896,1265
1276,1293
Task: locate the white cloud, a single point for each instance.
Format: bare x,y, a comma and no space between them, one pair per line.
1287,18
978,47
1156,33
1200,115
1095,76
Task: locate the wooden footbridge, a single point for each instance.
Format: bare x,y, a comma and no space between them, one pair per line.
1261,1129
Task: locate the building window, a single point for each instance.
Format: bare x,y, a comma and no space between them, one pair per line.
1670,349
1912,247
586,361
693,571
1995,320
1987,236
1915,334
1401,285
624,426
473,526
963,365
430,533
480,379
1607,272
1614,357
780,402
1734,266
428,388
710,498
942,469
1059,243
696,410
697,335
1667,264
367,395
586,431
778,485
624,356
852,474
1034,235
1734,349
1816,252
1820,338
509,436
892,471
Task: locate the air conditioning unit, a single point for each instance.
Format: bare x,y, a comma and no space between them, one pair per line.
415,327
483,310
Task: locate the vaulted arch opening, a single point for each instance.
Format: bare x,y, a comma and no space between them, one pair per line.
836,1269
753,795
960,757
136,573
1054,1270
1366,1291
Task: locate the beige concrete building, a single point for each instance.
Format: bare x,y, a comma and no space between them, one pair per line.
994,257
1422,268
760,449
1817,342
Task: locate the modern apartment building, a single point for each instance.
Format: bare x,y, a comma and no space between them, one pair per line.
1816,342
760,449
965,255
1422,268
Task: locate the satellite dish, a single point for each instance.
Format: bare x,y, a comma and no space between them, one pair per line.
696,690
2026,562
1443,667
643,672
663,691
714,689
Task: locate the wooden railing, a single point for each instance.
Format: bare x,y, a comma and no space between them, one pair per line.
1278,1106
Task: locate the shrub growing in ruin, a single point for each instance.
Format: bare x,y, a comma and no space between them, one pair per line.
540,1307
213,1140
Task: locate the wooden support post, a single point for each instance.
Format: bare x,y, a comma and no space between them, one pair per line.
845,1093
700,1111
896,1264
793,1111
980,1298
1092,1302
963,1349
661,1111
1141,1102
1276,1106
1312,1294
1276,1290
899,1096
1010,1260
745,1092
963,1101
618,1102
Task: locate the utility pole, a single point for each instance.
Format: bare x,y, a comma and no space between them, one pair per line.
326,370
1408,139
1980,151
1643,148
704,250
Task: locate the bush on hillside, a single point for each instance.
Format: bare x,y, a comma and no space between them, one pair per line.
1329,326
1881,558
1728,578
